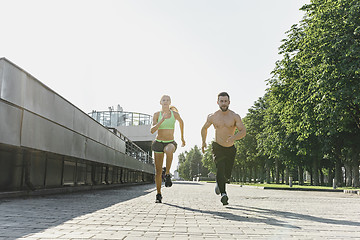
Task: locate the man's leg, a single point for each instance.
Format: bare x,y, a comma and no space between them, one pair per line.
229,164
228,160
220,174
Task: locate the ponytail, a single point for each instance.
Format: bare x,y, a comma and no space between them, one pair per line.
173,108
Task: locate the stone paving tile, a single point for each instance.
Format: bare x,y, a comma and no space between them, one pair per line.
190,210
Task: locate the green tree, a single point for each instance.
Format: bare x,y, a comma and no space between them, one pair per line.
316,84
184,166
190,164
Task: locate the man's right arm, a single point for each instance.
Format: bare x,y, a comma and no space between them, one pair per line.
204,133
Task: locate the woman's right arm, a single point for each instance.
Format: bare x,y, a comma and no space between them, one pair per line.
156,124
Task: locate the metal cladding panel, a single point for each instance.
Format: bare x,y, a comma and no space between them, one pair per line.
2,63
140,166
98,152
94,130
120,145
63,112
84,124
105,137
81,122
149,168
43,101
93,150
111,139
110,156
38,99
13,84
10,124
41,134
78,146
120,159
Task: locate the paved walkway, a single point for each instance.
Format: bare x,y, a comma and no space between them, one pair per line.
189,210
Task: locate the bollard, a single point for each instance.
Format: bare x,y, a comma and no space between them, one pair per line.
334,183
290,181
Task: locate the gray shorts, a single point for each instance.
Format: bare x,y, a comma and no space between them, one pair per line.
158,145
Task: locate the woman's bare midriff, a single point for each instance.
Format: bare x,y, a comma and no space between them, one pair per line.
165,134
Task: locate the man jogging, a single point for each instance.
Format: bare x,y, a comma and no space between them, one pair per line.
225,123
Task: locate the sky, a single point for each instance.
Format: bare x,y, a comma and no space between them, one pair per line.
98,54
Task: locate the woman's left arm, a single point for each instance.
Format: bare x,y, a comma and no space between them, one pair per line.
181,123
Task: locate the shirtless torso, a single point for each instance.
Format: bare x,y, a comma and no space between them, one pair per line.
225,124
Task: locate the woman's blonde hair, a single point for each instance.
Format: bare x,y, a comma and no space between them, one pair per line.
173,108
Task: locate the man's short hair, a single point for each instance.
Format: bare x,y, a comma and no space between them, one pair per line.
223,94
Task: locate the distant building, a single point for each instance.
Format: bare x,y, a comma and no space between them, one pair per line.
135,126
176,175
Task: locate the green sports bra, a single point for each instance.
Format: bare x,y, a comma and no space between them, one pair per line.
168,123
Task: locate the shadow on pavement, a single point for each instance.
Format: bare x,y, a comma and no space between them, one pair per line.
21,217
241,217
185,182
291,215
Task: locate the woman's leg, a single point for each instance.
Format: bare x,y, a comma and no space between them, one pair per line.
159,158
169,150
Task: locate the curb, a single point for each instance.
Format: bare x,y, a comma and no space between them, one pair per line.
352,192
305,189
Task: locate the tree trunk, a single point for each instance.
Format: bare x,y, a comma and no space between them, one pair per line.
238,173
268,170
255,174
277,172
348,175
321,177
245,174
301,175
249,174
287,175
261,174
355,168
315,171
338,172
330,176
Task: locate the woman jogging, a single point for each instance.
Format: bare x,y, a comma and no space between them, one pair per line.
164,124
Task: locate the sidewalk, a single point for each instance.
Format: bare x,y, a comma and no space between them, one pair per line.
190,210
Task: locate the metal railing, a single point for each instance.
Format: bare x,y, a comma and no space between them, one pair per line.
114,119
132,149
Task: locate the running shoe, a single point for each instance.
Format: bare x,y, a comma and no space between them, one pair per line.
168,182
158,198
224,199
217,189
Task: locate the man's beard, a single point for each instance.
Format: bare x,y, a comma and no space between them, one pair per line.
224,109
